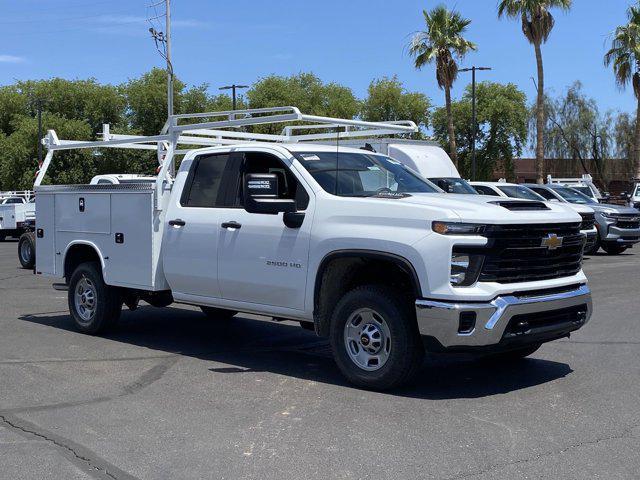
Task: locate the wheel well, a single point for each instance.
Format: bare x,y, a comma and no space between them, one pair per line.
344,271
76,255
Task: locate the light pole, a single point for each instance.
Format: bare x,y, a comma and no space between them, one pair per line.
474,132
233,89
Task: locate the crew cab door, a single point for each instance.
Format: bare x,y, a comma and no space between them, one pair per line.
190,247
260,259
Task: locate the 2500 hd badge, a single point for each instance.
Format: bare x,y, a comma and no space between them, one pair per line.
276,263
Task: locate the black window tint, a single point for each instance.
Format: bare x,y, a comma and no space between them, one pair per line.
202,188
484,190
544,192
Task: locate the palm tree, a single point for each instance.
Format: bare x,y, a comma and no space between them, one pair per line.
441,42
624,55
537,23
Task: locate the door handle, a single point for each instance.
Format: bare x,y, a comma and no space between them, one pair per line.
177,222
233,225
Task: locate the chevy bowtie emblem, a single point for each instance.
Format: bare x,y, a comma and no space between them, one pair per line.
552,241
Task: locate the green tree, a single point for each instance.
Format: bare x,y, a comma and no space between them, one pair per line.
624,56
441,42
501,125
387,100
537,23
305,91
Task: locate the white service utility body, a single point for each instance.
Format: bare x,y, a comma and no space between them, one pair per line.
345,240
17,213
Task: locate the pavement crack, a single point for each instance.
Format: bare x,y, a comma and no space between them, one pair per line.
87,460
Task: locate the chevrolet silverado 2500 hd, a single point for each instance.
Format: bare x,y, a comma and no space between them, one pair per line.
351,242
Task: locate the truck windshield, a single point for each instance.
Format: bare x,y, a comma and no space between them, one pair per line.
454,185
583,189
637,194
573,196
517,191
362,174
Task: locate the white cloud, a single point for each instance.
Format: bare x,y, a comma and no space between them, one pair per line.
11,59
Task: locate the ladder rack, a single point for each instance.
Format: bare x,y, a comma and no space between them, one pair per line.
197,130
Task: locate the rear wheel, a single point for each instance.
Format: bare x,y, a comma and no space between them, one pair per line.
2,237
375,339
218,313
94,305
27,250
613,248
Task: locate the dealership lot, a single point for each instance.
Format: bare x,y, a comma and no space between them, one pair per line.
171,394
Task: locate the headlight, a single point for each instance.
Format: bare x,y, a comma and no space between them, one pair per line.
456,228
465,269
609,215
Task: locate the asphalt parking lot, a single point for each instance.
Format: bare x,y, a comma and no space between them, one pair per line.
172,395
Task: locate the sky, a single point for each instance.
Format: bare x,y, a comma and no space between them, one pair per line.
346,41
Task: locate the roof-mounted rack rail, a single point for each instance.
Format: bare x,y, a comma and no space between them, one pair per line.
225,128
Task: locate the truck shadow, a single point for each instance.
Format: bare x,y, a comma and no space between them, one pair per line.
252,344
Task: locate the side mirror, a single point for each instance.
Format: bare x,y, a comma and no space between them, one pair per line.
260,195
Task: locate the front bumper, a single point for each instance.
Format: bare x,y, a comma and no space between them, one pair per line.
440,321
592,238
624,236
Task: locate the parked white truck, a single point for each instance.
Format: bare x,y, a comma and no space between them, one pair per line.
17,210
348,241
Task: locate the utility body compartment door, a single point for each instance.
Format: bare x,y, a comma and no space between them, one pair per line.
45,234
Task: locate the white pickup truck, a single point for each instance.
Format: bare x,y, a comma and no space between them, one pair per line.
349,242
17,210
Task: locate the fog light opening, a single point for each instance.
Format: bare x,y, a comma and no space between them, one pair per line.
466,322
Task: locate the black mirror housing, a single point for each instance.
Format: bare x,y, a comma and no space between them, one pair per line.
260,195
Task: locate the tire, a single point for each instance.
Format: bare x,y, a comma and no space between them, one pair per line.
514,355
594,248
2,237
218,314
95,306
27,250
613,249
393,352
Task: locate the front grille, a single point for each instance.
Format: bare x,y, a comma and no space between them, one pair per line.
539,322
515,253
588,221
628,220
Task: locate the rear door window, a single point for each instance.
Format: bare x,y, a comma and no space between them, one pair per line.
203,185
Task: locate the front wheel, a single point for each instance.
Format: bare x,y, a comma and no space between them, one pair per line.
27,250
375,339
613,249
593,249
94,305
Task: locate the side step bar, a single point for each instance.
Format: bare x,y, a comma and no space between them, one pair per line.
61,287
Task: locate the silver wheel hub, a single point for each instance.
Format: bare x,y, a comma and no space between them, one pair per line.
85,299
367,339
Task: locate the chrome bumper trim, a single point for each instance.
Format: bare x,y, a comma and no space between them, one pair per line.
440,319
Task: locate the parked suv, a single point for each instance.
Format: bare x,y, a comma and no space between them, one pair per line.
618,226
513,190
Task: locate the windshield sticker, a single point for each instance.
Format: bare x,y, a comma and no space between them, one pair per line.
310,156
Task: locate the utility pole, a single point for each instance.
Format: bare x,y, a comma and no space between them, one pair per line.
39,107
233,88
474,132
169,64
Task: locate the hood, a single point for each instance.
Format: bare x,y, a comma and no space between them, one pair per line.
610,208
578,207
483,209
